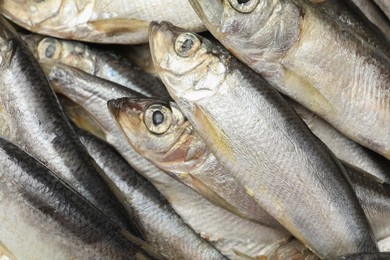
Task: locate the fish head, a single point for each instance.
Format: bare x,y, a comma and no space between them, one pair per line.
70,53
236,23
188,64
158,131
30,12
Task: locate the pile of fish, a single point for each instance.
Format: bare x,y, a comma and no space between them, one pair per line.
125,134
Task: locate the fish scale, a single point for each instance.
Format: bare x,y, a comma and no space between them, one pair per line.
282,163
34,121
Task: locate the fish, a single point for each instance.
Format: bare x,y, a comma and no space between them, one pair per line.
43,218
92,94
176,148
262,142
312,58
32,118
344,148
101,62
154,215
158,222
105,21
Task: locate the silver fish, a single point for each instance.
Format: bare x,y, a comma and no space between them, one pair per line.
44,219
92,94
230,234
99,62
312,58
262,142
103,21
157,221
176,148
31,117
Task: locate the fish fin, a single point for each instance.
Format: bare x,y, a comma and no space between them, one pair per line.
217,137
119,25
140,243
4,251
300,86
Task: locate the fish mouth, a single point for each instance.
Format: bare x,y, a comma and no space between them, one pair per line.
209,11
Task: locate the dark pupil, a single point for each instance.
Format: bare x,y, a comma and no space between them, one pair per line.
50,51
242,1
158,118
187,44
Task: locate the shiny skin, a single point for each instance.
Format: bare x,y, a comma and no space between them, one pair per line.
182,154
31,117
314,59
42,218
103,21
101,62
344,148
263,144
92,94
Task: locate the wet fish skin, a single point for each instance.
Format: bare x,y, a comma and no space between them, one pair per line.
182,142
100,62
42,218
202,80
31,117
93,94
154,216
344,148
374,197
366,20
153,212
105,21
308,56
181,153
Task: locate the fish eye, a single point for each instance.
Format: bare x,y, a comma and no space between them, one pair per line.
158,118
244,6
186,44
49,48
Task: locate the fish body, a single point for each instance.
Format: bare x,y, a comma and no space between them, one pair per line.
100,62
92,94
44,219
344,148
261,141
179,151
103,21
31,117
158,222
311,57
